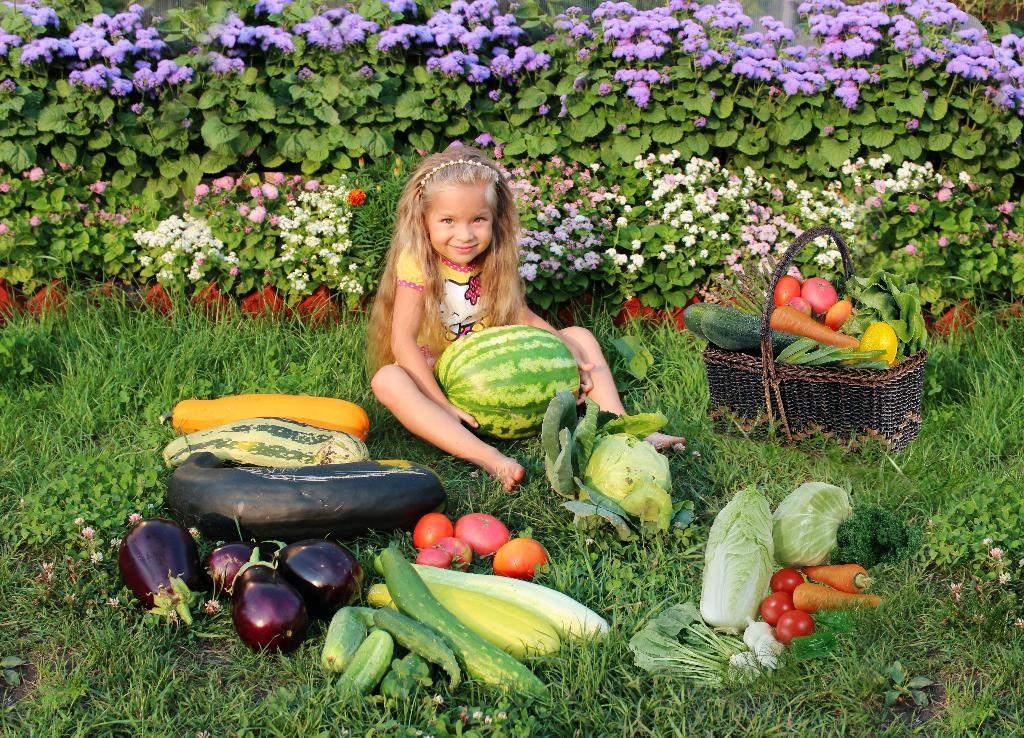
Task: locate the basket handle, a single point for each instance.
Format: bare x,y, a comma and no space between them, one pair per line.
768,364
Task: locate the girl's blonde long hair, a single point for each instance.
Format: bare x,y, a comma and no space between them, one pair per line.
502,295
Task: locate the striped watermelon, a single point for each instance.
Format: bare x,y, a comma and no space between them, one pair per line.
505,377
269,442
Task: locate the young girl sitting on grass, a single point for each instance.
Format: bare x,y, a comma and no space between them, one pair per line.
453,268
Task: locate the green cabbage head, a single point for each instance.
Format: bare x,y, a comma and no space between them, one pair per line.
621,463
806,522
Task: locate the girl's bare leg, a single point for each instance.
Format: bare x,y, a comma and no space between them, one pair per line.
397,391
604,392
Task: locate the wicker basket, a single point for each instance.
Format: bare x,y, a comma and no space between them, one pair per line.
846,403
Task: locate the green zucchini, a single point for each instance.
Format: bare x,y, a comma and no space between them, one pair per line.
482,661
421,640
729,329
269,442
369,664
344,636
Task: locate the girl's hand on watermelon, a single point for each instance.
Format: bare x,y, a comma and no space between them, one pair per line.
462,415
585,366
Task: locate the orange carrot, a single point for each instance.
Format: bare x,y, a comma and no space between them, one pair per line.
851,578
813,597
790,320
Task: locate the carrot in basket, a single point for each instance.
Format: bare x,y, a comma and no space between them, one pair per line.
813,597
790,320
851,578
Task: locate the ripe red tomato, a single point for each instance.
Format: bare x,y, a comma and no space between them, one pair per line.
787,288
519,557
786,580
774,605
793,624
430,529
484,533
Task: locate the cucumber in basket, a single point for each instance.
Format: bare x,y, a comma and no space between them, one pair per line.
729,329
269,442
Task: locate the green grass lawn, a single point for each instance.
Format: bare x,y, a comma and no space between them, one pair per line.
79,437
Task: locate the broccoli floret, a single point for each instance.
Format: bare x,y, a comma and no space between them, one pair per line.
874,535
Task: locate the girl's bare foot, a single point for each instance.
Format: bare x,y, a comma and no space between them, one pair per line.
506,470
662,441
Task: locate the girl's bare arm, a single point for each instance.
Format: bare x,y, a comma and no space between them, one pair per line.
405,327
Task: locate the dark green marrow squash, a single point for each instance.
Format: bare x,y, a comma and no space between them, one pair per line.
337,501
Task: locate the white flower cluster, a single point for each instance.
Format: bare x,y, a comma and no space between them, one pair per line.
317,248
700,215
182,246
875,176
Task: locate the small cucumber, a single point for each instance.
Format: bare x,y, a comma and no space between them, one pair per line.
483,661
421,640
345,634
370,663
730,329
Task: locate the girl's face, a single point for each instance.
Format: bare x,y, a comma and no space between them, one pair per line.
459,222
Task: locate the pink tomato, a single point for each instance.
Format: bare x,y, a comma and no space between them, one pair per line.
484,533
434,557
800,304
819,294
460,551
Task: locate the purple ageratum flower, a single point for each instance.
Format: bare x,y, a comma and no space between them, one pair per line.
221,64
336,29
404,35
849,93
304,73
1007,207
166,72
495,95
484,139
543,109
528,272
46,49
137,108
700,122
8,85
37,15
270,7
913,124
604,89
367,71
8,41
639,93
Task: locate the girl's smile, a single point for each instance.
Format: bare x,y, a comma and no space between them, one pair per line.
459,222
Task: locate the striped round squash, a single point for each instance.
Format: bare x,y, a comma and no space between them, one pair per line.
505,377
269,442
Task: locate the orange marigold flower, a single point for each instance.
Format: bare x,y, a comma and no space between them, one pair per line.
356,197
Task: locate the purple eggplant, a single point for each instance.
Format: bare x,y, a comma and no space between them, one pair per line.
267,611
222,563
159,563
327,575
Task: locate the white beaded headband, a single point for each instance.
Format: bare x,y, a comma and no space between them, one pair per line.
431,172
